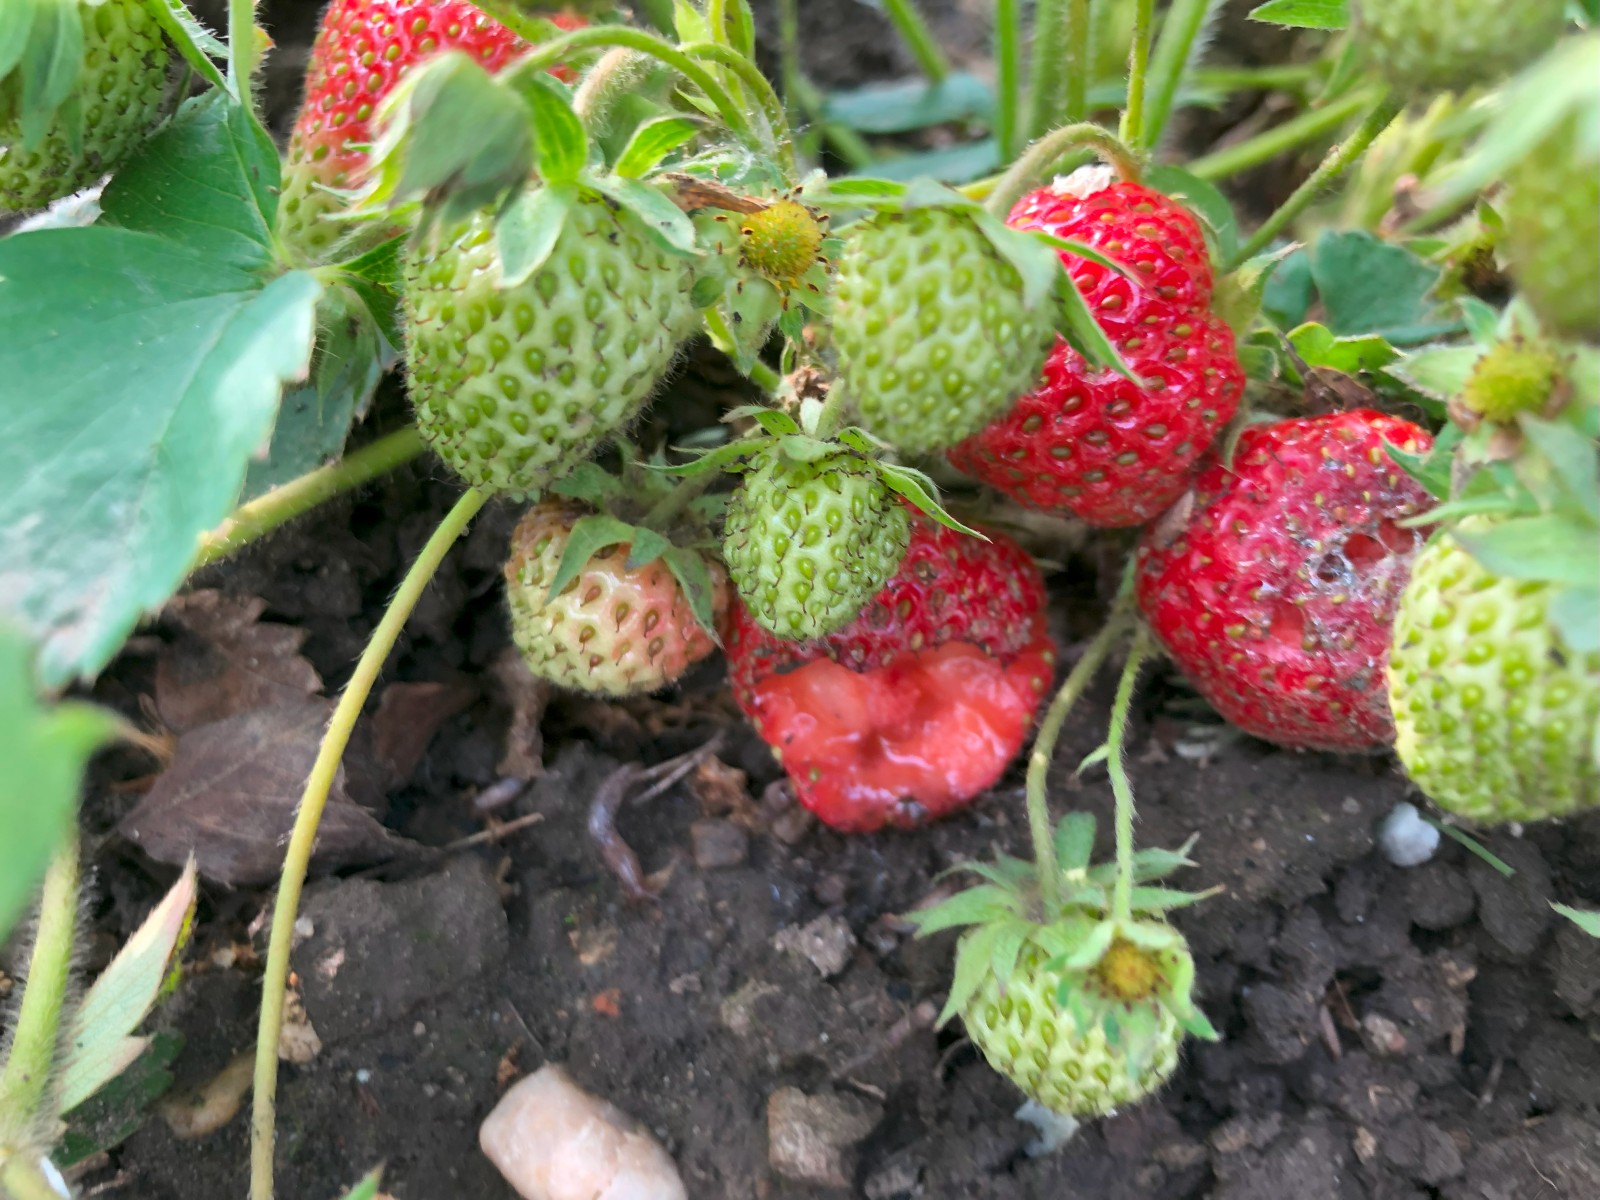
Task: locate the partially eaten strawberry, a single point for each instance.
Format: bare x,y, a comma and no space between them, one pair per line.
919,705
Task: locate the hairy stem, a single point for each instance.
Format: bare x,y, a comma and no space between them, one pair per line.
1292,134
1132,128
1040,160
25,1083
757,84
290,500
913,30
242,49
1174,51
763,376
1044,749
297,858
1075,98
1047,86
1117,768
603,84
1008,75
1337,162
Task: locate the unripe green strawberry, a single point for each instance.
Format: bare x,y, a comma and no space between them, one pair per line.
120,91
1025,1033
514,386
1515,375
1448,45
809,543
1494,717
612,630
933,336
1552,218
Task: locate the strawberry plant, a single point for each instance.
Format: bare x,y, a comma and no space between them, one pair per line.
1354,447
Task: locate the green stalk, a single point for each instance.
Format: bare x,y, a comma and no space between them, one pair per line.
1040,830
1174,49
717,19
1008,75
303,837
789,73
1047,86
1117,768
1292,134
1337,162
287,501
763,376
25,1083
242,49
1132,128
1041,159
913,30
751,77
1075,100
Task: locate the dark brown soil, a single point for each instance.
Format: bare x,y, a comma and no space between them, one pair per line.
1389,1034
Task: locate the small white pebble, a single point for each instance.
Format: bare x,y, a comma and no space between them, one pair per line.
363,1076
1055,1129
55,1179
1405,838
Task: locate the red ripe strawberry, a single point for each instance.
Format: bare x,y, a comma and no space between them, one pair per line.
362,49
920,703
1092,443
1274,583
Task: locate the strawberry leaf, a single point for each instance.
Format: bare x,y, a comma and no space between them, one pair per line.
918,488
178,347
194,41
560,145
666,223
1205,200
1433,470
973,958
1438,372
1196,1024
694,577
1009,939
648,545
588,536
1575,613
42,42
1303,14
528,230
367,1189
45,750
653,141
909,104
588,482
1585,919
1571,461
1549,548
1077,324
977,905
1075,841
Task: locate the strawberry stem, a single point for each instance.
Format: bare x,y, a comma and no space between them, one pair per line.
1008,76
1297,131
1180,34
1121,790
36,1033
1337,162
1041,159
761,88
913,30
299,496
303,837
1132,128
1044,745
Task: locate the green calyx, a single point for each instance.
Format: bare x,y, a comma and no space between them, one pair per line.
1081,1008
1516,375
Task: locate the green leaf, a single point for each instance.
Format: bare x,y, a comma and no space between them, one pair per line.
367,1189
314,418
919,489
589,535
694,577
1575,613
42,42
1287,297
1587,920
528,231
652,142
1037,263
44,750
857,189
1371,286
101,1045
1481,320
177,363
1439,372
1075,841
1572,459
1078,326
909,104
973,906
560,145
1433,470
1158,899
1550,548
973,957
648,545
194,41
668,224
1349,355
1205,199
1010,937
209,180
587,481
1196,1024
1304,14
1156,863
116,1111
954,164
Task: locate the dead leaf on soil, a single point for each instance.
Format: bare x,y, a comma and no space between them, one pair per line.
226,660
524,754
408,716
231,793
208,1107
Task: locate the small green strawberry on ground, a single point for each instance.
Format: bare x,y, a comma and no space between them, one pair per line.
1494,672
81,86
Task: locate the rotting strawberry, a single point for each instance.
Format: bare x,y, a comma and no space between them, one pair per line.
612,629
934,328
515,385
1273,584
116,100
919,704
1090,442
362,50
1495,716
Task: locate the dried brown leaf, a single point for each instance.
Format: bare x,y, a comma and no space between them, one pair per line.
408,716
226,660
231,793
527,696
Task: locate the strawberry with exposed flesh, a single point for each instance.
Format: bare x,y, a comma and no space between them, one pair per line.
1273,584
921,702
